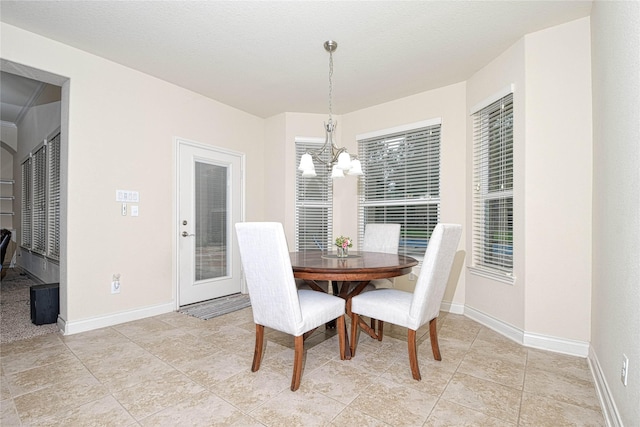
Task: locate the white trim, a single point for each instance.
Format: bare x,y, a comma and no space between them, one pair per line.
70,328
558,345
450,307
398,129
496,275
509,331
607,404
529,339
492,98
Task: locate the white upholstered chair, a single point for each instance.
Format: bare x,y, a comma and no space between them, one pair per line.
412,310
381,238
275,301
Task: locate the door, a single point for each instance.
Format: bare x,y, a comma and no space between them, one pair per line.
210,203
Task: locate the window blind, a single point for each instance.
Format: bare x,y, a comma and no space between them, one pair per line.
39,192
314,203
53,199
25,239
493,188
401,184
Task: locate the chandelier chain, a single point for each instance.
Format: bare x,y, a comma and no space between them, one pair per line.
330,85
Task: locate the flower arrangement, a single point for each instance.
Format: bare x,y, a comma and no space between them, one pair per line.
344,242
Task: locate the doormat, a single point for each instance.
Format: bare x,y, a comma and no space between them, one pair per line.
217,307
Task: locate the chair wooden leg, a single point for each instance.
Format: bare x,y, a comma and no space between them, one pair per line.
413,355
257,353
433,334
380,328
354,333
297,362
342,337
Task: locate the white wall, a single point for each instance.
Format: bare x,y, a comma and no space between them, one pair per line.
121,131
557,175
615,29
550,298
497,300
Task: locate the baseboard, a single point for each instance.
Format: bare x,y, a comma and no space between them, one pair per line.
528,339
494,324
450,307
75,327
608,405
559,345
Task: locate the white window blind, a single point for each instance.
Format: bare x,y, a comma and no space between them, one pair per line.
314,203
39,230
53,199
25,240
41,200
401,184
493,189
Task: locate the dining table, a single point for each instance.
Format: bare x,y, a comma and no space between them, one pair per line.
348,275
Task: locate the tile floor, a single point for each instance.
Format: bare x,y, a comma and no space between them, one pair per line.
178,370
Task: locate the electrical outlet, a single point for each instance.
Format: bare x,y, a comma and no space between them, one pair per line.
115,284
624,373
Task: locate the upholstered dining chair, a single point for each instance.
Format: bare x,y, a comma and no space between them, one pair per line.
275,301
381,238
412,310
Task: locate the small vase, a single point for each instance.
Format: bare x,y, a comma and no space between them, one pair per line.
343,252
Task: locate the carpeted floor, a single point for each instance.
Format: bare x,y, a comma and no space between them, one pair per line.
15,309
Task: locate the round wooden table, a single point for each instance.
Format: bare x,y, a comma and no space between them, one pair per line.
349,275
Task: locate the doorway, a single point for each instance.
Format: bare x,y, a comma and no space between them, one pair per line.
210,202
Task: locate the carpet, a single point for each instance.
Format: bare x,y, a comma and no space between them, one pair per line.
217,307
15,309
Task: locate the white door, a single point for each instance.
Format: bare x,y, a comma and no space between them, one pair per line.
210,203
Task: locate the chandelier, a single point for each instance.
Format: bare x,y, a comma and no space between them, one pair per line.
340,160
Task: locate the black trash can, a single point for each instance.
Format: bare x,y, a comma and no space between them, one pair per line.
45,303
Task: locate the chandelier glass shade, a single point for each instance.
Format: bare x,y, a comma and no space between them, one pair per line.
339,159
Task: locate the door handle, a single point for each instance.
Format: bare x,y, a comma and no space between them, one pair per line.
185,234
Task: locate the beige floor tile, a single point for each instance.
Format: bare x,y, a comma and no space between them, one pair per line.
46,376
8,413
395,404
146,326
59,398
488,397
435,378
126,367
174,369
18,358
92,342
202,409
209,370
350,417
541,411
302,408
449,414
501,370
149,397
339,380
248,390
563,388
102,412
561,364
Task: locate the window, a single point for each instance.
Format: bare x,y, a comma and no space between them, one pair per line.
41,200
493,189
401,182
314,202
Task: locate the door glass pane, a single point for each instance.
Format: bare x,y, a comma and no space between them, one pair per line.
211,221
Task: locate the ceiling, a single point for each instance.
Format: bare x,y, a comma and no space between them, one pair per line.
267,57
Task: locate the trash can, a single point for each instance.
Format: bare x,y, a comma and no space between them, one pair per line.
45,303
